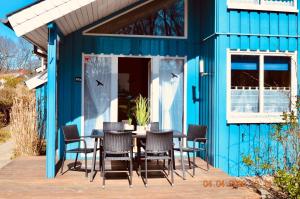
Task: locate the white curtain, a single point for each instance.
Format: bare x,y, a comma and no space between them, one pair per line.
247,101
244,100
171,80
97,92
276,101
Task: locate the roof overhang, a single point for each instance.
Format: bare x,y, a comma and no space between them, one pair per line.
42,13
69,15
37,80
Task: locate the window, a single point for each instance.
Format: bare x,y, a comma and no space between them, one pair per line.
277,84
266,5
260,86
244,83
156,19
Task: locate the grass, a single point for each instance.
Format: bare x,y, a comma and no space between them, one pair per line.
24,125
4,135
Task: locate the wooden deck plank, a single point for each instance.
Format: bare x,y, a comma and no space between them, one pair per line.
25,178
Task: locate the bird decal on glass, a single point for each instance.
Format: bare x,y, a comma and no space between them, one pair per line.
99,83
174,75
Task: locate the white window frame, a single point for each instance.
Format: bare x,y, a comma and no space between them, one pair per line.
260,117
154,90
85,32
262,6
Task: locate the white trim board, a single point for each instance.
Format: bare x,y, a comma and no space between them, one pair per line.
42,13
260,117
85,32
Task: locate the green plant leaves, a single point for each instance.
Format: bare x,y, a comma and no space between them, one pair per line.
142,113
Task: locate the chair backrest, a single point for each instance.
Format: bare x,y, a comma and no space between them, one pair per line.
196,131
154,126
159,141
70,132
113,126
117,142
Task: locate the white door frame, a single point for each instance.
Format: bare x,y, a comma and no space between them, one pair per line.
154,93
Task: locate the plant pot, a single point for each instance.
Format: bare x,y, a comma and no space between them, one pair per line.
128,127
141,129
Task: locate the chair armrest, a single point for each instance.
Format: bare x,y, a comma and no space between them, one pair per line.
199,140
78,140
74,140
86,136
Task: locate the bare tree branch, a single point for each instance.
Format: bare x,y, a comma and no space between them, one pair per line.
17,55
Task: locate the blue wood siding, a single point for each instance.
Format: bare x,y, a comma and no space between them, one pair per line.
246,30
75,44
41,109
212,29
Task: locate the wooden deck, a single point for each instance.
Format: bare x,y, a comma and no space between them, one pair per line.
25,178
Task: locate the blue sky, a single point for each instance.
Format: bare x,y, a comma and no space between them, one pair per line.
6,7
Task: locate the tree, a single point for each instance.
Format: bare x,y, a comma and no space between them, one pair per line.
17,55
7,53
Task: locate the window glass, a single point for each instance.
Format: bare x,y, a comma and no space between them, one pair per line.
277,84
244,83
157,18
97,93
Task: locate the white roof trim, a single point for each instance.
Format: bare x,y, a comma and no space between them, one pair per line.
37,80
42,13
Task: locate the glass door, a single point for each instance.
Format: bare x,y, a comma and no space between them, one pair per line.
99,92
171,97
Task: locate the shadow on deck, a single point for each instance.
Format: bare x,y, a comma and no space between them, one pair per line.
25,178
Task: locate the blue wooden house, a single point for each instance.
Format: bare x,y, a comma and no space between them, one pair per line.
227,64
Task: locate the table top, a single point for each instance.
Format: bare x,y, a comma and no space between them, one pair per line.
96,133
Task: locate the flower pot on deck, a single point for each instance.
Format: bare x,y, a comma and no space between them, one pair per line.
141,129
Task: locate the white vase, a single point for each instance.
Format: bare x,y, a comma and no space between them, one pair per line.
128,127
141,129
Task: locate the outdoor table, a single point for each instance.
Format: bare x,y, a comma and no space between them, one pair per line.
99,134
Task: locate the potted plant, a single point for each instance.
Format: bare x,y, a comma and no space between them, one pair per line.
128,124
142,113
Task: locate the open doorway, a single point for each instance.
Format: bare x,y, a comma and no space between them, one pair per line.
133,80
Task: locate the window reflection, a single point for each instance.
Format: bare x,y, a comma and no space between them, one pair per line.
158,18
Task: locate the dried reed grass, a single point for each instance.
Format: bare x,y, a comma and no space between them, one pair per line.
24,123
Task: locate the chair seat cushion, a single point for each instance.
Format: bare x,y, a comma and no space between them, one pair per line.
80,150
189,149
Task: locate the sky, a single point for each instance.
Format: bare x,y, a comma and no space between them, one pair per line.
6,7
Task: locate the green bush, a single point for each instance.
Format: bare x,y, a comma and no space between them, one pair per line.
12,82
6,101
4,135
287,137
289,182
6,97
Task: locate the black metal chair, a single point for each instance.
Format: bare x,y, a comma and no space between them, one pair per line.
159,146
71,135
196,134
154,126
117,146
113,126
